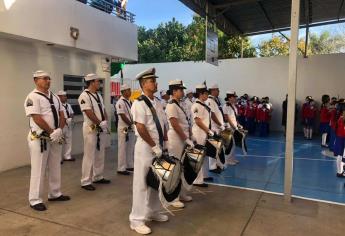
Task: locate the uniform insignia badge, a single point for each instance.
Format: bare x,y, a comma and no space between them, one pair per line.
82,102
29,103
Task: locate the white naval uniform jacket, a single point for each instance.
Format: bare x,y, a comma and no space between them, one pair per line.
123,106
199,111
175,143
211,103
37,104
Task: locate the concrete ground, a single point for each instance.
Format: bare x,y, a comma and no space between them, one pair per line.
214,211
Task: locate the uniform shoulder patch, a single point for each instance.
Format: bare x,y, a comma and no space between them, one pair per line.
29,103
82,101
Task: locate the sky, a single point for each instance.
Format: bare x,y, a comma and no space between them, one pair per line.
150,13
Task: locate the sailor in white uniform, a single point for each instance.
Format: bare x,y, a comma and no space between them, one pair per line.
67,131
179,131
95,131
125,132
148,128
217,122
44,139
201,128
230,114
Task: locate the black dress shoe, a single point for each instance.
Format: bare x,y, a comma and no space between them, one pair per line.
342,175
102,181
39,207
72,159
208,179
89,187
123,172
62,198
201,185
216,171
130,169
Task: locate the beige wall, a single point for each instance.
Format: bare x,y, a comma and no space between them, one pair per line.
18,59
258,76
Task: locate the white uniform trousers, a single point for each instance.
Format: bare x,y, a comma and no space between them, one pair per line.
125,154
40,162
67,147
200,138
175,148
146,201
213,161
93,159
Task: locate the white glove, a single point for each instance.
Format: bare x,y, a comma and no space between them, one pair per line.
56,135
222,127
189,143
157,151
104,125
69,122
210,133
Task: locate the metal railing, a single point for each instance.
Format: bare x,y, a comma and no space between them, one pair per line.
110,7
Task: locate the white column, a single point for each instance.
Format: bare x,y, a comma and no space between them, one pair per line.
295,13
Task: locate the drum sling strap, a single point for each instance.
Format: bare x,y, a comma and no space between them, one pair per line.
55,115
98,100
208,110
177,104
155,118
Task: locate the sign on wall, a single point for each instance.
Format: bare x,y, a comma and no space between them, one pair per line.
212,47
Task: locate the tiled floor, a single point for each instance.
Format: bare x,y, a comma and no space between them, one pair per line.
263,169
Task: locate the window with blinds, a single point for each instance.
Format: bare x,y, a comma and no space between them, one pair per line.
74,85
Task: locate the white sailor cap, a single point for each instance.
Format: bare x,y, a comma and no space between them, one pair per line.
40,73
189,91
177,83
147,74
163,92
124,87
62,93
214,86
201,88
90,77
231,94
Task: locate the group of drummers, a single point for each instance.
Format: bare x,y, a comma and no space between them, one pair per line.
170,146
178,141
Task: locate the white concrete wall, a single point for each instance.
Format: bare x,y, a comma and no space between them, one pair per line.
50,21
18,60
317,75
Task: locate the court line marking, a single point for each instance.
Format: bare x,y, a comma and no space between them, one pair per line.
277,141
280,157
280,194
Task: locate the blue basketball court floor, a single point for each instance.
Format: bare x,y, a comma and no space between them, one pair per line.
314,172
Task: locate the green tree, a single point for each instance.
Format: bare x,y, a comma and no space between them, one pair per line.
276,46
172,41
232,46
326,44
